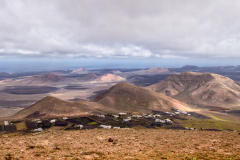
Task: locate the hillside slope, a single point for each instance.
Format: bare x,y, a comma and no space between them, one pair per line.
201,88
54,107
127,97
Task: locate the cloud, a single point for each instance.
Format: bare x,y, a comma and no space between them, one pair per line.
120,28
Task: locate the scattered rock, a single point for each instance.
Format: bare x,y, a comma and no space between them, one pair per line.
110,140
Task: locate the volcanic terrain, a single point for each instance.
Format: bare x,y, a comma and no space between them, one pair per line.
201,88
127,97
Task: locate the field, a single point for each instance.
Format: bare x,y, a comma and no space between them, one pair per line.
122,144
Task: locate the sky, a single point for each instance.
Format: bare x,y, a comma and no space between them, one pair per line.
113,33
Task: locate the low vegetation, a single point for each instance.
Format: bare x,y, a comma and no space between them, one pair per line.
122,144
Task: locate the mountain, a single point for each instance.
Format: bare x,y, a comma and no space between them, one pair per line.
54,107
189,67
201,88
48,78
80,71
4,74
109,78
127,97
154,70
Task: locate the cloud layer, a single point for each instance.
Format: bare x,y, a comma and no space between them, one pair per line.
120,28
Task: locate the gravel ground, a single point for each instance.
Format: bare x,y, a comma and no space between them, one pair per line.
121,144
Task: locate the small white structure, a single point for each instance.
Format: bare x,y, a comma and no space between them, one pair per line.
52,120
39,121
6,123
122,113
37,130
187,128
116,116
158,115
159,120
136,116
116,127
189,114
80,126
127,119
101,116
168,120
64,118
105,126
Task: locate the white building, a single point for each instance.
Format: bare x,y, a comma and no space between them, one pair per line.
65,118
37,130
122,113
127,119
168,120
6,123
115,116
159,120
101,116
105,126
52,120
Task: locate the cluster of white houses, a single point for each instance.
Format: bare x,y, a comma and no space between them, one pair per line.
122,117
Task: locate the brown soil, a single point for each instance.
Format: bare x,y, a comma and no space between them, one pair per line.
124,144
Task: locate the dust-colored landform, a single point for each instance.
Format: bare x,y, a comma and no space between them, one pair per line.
124,144
201,88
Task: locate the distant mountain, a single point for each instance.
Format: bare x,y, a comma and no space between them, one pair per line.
201,88
108,78
80,71
127,97
190,67
154,70
54,107
48,78
4,74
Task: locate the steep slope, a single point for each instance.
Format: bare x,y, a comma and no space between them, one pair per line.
127,97
48,78
201,88
109,78
54,107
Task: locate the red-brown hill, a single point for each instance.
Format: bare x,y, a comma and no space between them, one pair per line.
129,98
54,107
201,88
48,78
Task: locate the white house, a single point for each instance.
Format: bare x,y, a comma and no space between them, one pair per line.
168,120
80,126
122,113
37,130
105,126
65,118
52,120
126,119
6,123
116,127
159,120
101,116
115,116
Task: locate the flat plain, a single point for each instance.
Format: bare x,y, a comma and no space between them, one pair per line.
122,144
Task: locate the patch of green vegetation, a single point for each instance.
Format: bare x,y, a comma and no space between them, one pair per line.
210,124
92,123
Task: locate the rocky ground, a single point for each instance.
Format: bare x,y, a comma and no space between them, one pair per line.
121,144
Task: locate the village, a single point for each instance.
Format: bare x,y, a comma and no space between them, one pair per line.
109,121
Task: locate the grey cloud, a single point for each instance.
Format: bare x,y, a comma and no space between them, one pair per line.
120,28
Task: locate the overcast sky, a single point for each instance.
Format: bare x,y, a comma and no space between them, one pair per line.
164,29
